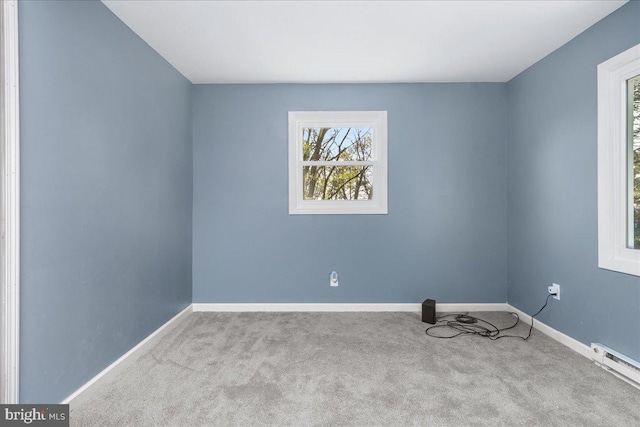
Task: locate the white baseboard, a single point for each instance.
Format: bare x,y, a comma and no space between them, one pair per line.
294,307
340,307
454,307
573,344
125,360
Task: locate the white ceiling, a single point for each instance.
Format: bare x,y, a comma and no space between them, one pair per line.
356,41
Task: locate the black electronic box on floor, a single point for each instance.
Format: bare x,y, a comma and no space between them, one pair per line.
429,311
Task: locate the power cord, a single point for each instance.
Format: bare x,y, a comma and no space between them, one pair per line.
470,325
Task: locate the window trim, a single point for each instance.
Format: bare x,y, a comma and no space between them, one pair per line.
10,183
377,120
613,251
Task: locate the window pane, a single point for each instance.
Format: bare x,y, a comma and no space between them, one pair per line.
634,142
337,182
335,144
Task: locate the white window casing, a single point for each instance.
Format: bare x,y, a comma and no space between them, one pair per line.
614,252
377,121
10,235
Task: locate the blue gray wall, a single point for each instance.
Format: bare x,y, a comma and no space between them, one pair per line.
444,236
552,180
106,193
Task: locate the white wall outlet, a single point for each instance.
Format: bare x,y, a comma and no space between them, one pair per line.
555,289
333,279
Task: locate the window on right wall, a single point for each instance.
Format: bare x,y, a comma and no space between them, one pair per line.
633,144
619,163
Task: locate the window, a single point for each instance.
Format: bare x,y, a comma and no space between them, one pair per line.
619,163
633,145
337,162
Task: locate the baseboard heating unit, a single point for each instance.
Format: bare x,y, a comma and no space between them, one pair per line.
616,363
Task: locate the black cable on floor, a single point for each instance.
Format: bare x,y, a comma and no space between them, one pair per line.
463,324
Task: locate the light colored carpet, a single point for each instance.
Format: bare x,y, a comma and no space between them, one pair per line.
361,369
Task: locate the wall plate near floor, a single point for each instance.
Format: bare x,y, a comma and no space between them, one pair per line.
333,279
555,289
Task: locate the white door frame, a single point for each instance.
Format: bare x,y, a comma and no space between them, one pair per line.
10,177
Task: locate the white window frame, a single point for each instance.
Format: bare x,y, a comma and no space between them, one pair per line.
613,162
10,229
377,120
